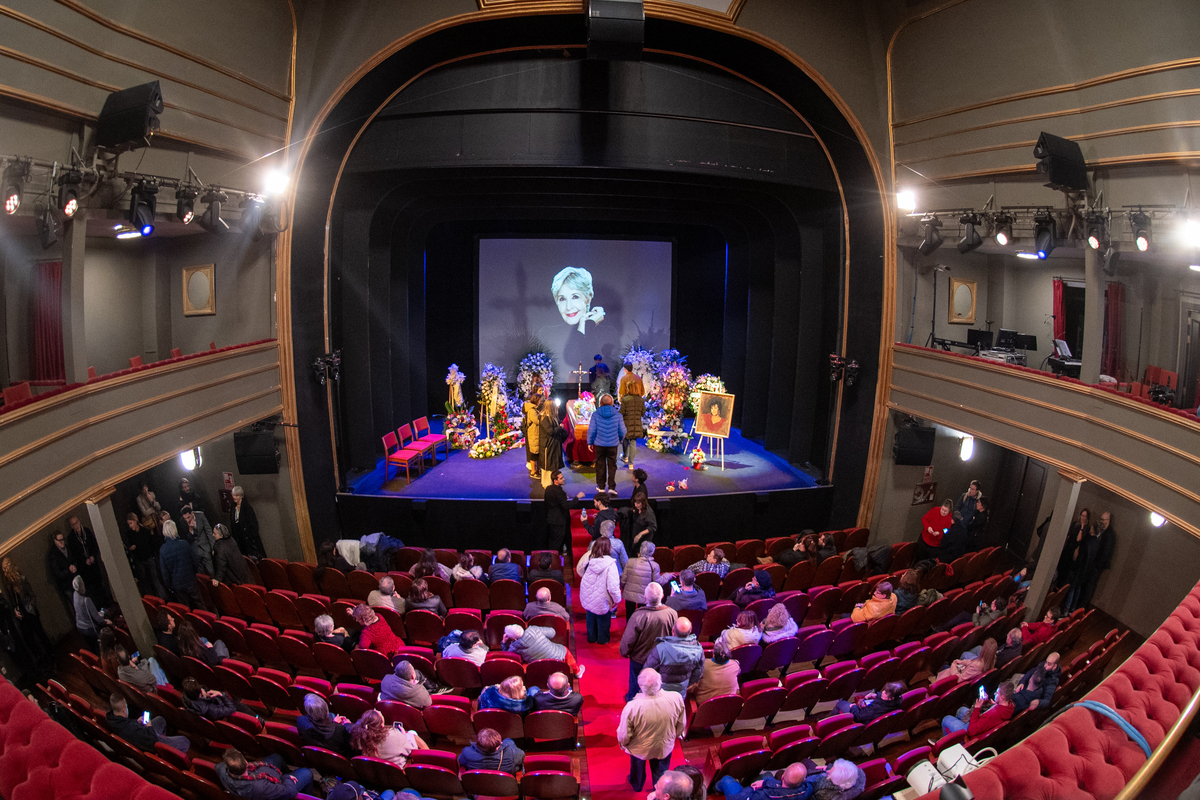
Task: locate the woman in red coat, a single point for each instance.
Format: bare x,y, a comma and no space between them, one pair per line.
376,633
934,525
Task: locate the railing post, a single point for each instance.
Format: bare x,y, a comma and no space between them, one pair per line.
1056,536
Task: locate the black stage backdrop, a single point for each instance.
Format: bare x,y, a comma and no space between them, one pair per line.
531,145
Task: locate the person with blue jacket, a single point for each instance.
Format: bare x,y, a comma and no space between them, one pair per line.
510,695
178,567
605,432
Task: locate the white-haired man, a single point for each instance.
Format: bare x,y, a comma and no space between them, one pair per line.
385,596
650,724
534,643
542,604
642,631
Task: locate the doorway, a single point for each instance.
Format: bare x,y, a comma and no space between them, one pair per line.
1188,389
1074,304
1015,502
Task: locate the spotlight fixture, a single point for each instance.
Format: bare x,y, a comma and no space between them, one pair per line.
1194,267
68,191
1045,234
1097,231
1024,254
966,448
906,200
191,459
1157,520
48,227
185,203
971,239
142,206
851,372
15,177
1141,230
836,367
930,238
211,220
1002,228
276,182
1189,233
252,207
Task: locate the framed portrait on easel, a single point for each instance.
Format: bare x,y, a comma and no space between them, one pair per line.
715,415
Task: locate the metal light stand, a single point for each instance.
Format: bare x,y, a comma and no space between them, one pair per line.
328,367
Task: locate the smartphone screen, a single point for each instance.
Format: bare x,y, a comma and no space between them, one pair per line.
674,586
982,693
145,717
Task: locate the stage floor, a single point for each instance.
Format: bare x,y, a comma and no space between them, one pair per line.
748,468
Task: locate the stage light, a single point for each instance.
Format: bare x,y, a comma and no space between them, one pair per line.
966,448
1141,230
48,227
971,238
1189,233
185,203
211,220
132,233
142,206
191,458
68,192
276,182
252,207
1045,234
1024,254
930,238
1097,232
906,200
1003,229
1195,267
1157,520
557,401
15,177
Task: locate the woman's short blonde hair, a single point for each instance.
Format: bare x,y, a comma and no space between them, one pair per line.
574,278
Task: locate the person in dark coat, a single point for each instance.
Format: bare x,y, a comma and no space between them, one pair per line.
141,547
244,524
641,522
604,511
550,445
871,706
558,696
558,513
977,525
1069,559
954,542
633,408
85,552
22,602
60,563
229,565
491,751
260,780
178,568
143,737
319,728
1099,546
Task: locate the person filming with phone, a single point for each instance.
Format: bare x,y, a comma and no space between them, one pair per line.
975,720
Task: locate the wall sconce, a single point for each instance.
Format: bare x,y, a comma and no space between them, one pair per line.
191,458
1157,520
966,448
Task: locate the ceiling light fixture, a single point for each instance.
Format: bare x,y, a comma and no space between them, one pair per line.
966,448
906,200
68,191
930,238
142,205
1003,228
1097,231
1045,234
185,203
211,220
971,238
15,177
1141,230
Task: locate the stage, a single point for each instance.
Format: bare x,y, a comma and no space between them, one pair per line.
459,496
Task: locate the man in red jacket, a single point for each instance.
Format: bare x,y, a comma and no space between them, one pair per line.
981,722
934,525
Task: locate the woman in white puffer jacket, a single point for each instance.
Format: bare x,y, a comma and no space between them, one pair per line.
599,590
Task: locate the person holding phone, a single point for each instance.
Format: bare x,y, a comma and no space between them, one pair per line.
141,731
976,721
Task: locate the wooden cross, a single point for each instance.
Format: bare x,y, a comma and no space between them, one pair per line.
579,373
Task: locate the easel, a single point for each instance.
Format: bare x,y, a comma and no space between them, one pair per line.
716,447
579,373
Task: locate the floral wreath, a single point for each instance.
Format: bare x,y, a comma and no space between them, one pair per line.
705,383
536,371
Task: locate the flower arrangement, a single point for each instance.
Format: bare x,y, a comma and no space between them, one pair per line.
583,408
705,383
489,448
461,428
493,395
669,436
454,380
536,371
673,384
641,363
698,458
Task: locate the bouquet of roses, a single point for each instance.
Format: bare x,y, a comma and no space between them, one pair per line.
698,458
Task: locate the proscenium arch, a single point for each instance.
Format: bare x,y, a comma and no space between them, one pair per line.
304,250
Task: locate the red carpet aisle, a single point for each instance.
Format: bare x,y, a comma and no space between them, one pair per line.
604,685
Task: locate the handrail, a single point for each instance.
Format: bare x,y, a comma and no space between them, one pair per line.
1164,750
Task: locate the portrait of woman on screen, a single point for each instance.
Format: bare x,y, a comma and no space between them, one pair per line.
572,291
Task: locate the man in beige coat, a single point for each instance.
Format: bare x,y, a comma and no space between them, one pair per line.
650,724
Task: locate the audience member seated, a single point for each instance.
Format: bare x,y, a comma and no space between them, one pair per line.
1011,650
639,573
1035,633
210,703
650,724
909,591
642,631
191,644
419,596
164,630
778,624
983,616
744,630
1037,686
881,603
509,695
688,597
616,548
842,780
229,566
260,780
558,696
319,728
135,671
325,632
792,784
542,604
682,783
715,561
604,513
970,666
977,723
385,596
465,569
376,633
757,588
869,706
489,751
826,546
429,565
328,557
504,569
533,642
141,735
469,646
805,549
404,685
720,675
371,737
545,570
678,659
699,792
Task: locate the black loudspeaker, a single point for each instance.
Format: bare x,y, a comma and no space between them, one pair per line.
914,447
1061,161
616,29
255,452
130,116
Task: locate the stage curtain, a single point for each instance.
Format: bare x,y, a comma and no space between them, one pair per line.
1114,310
1060,314
47,338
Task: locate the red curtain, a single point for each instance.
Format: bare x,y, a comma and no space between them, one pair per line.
1060,313
47,322
1114,309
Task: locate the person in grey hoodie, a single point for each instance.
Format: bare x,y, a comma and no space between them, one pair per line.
679,658
605,432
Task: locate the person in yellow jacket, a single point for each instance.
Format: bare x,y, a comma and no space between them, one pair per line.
882,603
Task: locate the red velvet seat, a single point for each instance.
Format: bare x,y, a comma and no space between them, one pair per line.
297,653
508,724
489,783
461,673
371,665
438,781
449,721
742,759
282,606
403,713
709,583
507,595
686,555
471,594
423,627
362,583
274,573
537,673
329,762
719,616
546,726
734,580
334,585
334,660
722,710
301,576
497,670
800,576
376,773
805,690
778,654
793,751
